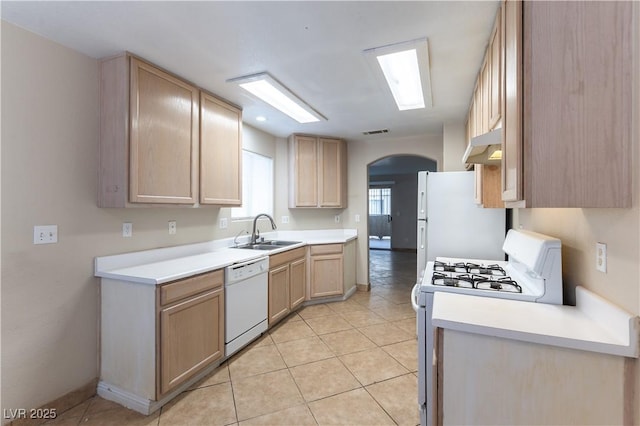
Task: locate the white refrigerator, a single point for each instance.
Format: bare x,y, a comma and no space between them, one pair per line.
451,224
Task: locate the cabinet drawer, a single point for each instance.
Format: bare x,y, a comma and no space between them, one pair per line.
325,249
178,290
286,257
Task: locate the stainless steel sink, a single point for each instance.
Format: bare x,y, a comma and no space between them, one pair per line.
267,245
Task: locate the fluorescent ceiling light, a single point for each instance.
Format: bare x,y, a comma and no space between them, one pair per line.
405,67
267,88
403,77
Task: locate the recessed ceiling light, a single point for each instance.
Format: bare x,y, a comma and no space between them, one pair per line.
261,118
271,91
405,67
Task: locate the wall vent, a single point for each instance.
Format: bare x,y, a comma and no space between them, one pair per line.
376,132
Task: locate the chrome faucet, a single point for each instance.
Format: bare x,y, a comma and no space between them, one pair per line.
235,240
255,234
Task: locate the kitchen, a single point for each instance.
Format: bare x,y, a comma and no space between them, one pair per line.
51,308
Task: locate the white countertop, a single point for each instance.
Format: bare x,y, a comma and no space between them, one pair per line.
159,266
594,324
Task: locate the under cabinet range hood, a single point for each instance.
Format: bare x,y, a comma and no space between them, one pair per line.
485,149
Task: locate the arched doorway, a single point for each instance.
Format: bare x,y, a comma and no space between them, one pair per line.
392,218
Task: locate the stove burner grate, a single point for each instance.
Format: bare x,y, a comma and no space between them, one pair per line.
465,281
448,267
474,268
478,282
471,268
501,284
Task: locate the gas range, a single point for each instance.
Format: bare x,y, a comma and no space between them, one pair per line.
533,272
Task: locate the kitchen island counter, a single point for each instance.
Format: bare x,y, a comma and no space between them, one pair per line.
593,324
159,266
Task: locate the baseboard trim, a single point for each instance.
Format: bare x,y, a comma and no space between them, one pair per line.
62,404
363,287
143,405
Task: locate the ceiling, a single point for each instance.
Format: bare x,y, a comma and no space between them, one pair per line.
313,48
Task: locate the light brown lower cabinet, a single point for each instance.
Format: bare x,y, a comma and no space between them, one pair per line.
536,383
326,270
191,324
287,282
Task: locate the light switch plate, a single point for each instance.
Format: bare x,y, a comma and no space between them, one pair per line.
601,257
45,234
127,229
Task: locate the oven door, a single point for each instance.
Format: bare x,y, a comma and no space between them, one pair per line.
426,369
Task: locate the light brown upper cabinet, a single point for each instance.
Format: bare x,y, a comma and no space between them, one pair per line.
495,52
317,172
148,135
485,114
151,140
220,152
568,96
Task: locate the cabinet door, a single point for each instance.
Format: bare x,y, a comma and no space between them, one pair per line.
326,275
304,155
495,72
512,113
477,103
490,187
163,137
278,293
297,282
477,187
220,152
332,176
191,337
484,105
578,90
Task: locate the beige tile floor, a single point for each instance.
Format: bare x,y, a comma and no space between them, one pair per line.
342,363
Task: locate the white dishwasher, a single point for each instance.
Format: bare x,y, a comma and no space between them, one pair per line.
246,303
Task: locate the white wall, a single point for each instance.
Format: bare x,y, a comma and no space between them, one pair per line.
454,144
50,300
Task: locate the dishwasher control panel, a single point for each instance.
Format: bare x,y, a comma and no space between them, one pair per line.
244,270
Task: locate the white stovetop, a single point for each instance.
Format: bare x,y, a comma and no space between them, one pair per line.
594,324
163,265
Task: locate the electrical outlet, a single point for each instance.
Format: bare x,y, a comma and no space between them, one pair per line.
45,234
127,229
284,219
357,218
173,227
224,223
337,218
601,257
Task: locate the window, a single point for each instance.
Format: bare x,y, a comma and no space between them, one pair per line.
379,201
257,186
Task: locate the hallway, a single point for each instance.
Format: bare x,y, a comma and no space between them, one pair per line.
395,269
